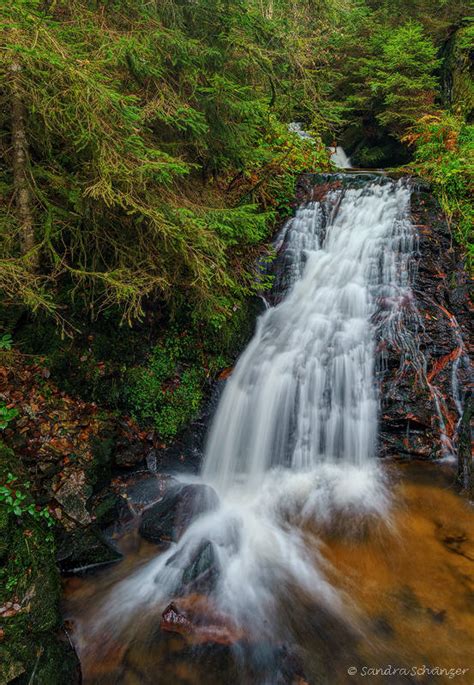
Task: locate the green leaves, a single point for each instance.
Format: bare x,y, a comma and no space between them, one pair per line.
7,415
6,341
20,504
444,147
399,76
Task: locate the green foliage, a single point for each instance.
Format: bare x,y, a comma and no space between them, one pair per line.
444,154
401,75
7,415
6,342
138,118
20,504
392,82
158,149
29,578
165,393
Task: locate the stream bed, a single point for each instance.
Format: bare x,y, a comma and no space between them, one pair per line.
411,582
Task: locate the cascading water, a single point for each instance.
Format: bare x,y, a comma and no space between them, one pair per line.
294,437
303,393
339,157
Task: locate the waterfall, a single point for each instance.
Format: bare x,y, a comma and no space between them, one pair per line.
303,392
294,438
339,157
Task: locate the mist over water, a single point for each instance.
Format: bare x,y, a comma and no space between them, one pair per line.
293,442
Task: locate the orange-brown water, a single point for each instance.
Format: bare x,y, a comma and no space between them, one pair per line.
411,585
415,584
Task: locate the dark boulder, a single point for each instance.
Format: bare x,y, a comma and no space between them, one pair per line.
166,520
202,573
85,549
140,490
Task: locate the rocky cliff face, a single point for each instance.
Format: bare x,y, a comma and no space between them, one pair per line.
424,371
425,393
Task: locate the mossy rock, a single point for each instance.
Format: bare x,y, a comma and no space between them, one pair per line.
30,578
4,522
38,660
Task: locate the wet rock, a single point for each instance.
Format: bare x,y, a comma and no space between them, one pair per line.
455,540
128,496
85,549
129,454
166,520
202,573
437,616
141,490
72,494
282,664
408,600
196,618
175,619
465,474
382,626
420,401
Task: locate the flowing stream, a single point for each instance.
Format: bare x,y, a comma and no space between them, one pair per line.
291,452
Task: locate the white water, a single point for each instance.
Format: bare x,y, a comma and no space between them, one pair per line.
339,157
303,392
297,127
294,437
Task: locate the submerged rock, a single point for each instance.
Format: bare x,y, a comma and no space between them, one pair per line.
196,618
166,520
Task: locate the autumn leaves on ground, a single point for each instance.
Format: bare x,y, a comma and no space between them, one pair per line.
59,453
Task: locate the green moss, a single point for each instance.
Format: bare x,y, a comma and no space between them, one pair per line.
164,393
457,71
444,156
29,577
167,391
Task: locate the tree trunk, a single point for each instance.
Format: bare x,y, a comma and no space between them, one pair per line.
21,184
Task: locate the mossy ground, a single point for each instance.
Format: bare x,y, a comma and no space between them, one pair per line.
158,372
32,650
